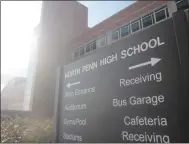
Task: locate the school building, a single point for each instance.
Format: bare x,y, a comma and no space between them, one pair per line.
64,37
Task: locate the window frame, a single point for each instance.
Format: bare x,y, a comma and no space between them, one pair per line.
105,41
180,1
146,16
83,47
128,27
92,42
166,12
77,50
116,31
159,10
139,21
90,45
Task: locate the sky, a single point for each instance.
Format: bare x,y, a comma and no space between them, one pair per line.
101,10
18,19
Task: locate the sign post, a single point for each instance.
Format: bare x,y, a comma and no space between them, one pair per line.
126,92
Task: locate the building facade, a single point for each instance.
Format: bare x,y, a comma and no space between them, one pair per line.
65,37
28,98
125,23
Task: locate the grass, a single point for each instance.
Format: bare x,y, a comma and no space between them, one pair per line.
26,130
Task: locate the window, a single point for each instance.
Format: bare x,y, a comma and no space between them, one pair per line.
102,42
125,31
115,35
88,48
76,54
182,4
167,12
82,51
160,14
94,45
147,20
135,26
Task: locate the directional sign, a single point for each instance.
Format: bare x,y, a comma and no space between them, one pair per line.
72,84
125,92
152,62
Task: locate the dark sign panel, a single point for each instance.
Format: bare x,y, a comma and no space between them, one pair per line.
125,92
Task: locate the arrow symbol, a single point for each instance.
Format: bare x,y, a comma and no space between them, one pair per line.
153,61
72,84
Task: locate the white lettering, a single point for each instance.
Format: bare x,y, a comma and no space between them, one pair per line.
152,43
108,59
73,107
141,79
144,46
144,137
145,121
72,73
80,92
153,100
89,67
119,103
72,137
76,121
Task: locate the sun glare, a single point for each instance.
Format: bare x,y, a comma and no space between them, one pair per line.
18,19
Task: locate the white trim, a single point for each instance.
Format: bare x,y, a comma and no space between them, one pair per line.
80,50
179,1
84,46
154,17
141,23
152,14
90,45
128,28
163,9
86,43
160,9
166,12
134,23
137,12
149,15
116,31
94,41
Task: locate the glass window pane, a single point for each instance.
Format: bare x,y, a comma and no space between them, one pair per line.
182,4
76,54
147,21
115,35
93,45
167,12
82,51
125,31
103,41
160,15
135,26
88,48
